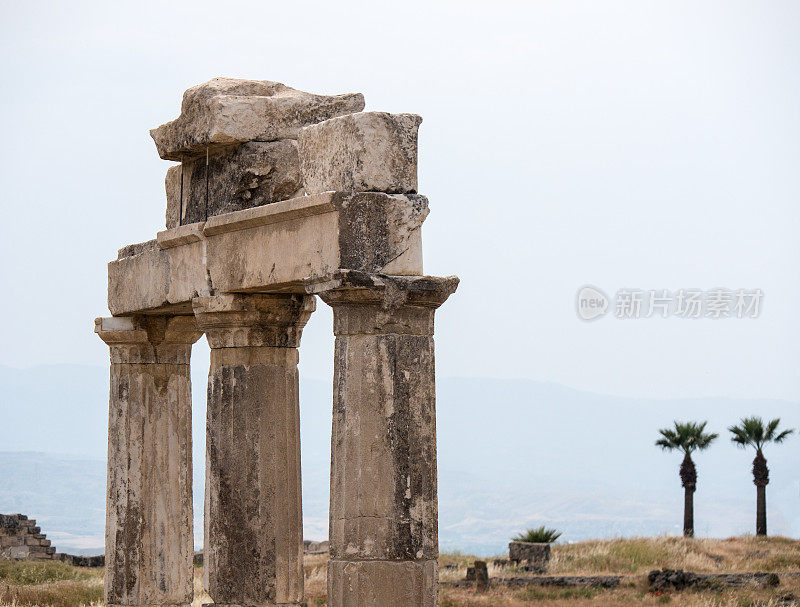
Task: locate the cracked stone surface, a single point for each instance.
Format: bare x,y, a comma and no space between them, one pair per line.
242,177
225,111
364,152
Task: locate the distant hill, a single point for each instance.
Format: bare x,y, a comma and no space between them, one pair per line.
512,454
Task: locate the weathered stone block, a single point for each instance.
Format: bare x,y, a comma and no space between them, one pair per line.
534,555
225,111
16,552
369,151
148,277
242,177
383,583
311,237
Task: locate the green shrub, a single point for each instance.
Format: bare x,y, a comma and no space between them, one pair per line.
539,535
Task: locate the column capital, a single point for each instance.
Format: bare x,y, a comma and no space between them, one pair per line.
149,339
253,319
371,304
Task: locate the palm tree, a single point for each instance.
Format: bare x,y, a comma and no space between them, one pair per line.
686,437
752,432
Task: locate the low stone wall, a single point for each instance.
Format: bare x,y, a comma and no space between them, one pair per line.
560,581
677,579
20,538
81,561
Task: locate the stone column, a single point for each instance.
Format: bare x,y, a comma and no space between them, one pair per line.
149,541
384,512
253,514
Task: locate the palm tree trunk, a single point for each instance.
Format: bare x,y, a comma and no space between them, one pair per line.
688,474
761,480
761,510
688,512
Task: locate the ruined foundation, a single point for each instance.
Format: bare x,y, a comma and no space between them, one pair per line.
279,196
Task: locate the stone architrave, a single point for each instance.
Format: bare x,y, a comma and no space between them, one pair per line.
149,539
384,514
253,552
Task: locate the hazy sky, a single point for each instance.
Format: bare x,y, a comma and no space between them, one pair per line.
650,145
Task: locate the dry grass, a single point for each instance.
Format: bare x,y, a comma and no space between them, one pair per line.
741,554
59,585
55,584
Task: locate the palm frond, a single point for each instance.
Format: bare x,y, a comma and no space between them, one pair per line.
769,432
686,436
753,432
539,535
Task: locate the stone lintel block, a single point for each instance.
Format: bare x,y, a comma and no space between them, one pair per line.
279,247
149,339
225,111
383,583
364,152
152,279
370,304
241,177
366,231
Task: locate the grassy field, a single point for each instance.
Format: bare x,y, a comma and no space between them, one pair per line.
59,585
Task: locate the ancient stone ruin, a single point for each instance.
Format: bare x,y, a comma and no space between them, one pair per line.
279,196
21,538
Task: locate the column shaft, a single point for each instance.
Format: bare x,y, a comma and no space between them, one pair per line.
149,539
253,524
384,512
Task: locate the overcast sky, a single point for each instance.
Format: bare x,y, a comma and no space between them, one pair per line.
650,145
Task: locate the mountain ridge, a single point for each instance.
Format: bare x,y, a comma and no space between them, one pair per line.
512,453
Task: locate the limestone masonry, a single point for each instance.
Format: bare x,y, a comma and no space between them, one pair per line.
20,538
280,196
